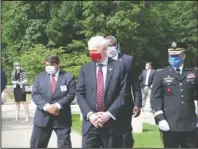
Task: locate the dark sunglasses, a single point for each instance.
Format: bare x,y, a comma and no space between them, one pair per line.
17,65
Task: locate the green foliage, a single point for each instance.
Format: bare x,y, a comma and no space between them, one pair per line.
33,60
31,30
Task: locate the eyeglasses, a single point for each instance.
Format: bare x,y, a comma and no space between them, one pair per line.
17,65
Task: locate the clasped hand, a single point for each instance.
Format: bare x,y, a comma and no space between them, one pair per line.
53,109
19,82
98,119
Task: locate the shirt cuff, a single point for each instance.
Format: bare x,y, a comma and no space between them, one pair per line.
14,82
158,113
46,106
58,105
111,115
89,114
24,81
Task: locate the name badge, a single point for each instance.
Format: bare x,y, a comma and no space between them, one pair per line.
63,88
168,79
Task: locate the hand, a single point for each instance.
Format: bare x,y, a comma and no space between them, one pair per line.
104,116
52,109
18,82
56,113
163,125
136,111
95,120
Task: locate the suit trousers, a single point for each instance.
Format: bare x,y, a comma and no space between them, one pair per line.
97,138
197,137
128,140
179,139
146,93
41,136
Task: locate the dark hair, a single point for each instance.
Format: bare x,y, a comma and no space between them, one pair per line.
53,59
112,38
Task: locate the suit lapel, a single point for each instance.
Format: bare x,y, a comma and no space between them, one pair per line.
174,74
48,83
184,74
120,57
110,69
92,76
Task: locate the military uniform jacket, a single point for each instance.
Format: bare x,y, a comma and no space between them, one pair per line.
172,98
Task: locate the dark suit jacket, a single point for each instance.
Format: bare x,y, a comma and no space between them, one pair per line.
115,91
3,80
125,115
142,77
42,95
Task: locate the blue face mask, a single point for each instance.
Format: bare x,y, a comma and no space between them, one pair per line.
175,61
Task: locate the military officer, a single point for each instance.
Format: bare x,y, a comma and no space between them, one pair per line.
173,98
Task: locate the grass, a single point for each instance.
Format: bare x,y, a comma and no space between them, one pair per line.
76,123
150,138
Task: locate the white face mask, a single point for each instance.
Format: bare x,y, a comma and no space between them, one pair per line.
112,51
18,67
50,70
147,67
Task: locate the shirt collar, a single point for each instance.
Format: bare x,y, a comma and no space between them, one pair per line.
180,68
104,62
57,73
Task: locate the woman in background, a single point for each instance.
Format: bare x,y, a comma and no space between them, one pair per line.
19,79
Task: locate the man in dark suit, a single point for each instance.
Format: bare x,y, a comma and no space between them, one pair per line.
133,105
173,94
146,79
3,80
101,92
53,91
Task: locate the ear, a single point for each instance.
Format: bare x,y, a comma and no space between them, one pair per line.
183,56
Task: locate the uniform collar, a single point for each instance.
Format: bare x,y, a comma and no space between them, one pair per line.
180,68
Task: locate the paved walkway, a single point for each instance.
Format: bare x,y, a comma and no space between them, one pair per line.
17,134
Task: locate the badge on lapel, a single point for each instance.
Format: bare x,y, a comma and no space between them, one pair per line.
63,88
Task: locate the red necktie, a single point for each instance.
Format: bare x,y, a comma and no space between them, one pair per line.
53,84
100,91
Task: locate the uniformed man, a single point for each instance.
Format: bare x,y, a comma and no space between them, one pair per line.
173,98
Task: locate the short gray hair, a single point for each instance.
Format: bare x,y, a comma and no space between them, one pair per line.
97,42
112,38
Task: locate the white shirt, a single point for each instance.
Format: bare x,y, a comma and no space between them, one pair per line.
181,68
147,76
116,56
46,106
56,76
104,70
